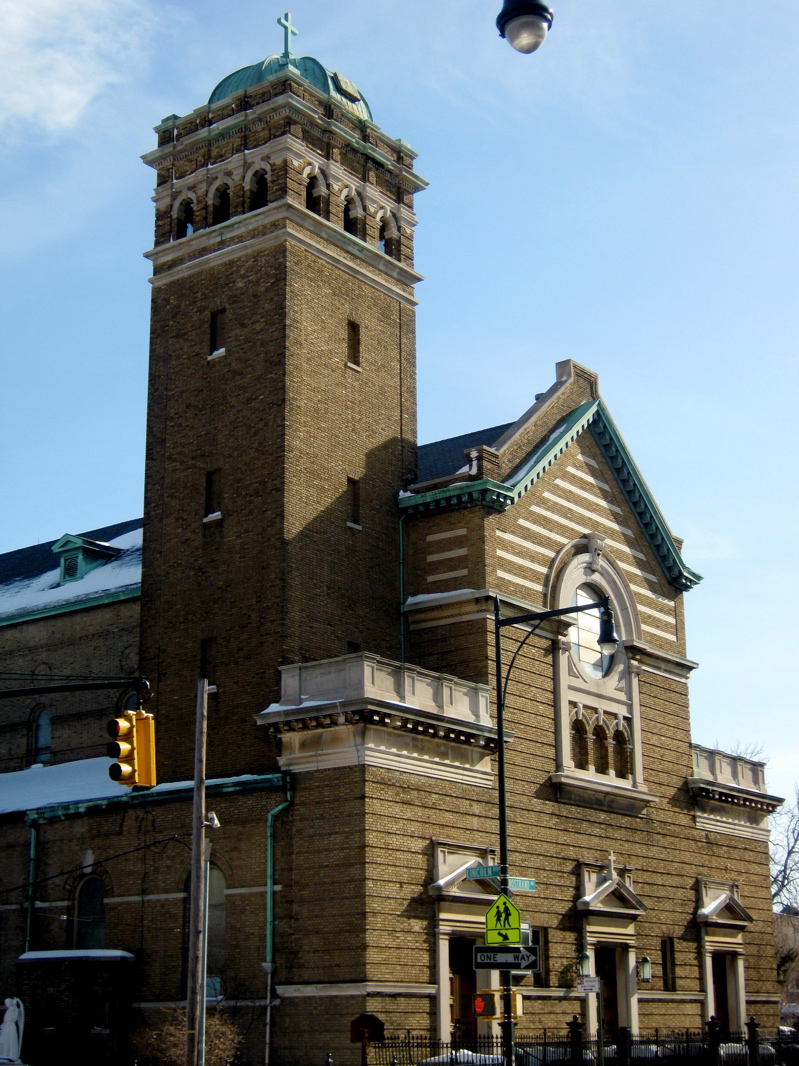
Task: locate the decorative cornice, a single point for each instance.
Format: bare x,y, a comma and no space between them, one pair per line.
733,795
289,102
390,277
640,500
482,493
388,715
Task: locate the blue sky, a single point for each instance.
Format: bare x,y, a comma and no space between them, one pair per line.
626,197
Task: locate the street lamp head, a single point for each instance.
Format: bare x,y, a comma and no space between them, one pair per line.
525,24
584,964
645,970
608,640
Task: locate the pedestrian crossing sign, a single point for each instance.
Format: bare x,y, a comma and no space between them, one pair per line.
503,922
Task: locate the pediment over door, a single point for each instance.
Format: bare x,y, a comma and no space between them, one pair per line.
607,892
450,865
613,899
719,905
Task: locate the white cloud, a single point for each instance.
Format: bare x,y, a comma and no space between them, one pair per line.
57,56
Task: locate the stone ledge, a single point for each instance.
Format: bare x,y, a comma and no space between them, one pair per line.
604,795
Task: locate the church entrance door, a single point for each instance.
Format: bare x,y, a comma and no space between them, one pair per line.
607,970
462,986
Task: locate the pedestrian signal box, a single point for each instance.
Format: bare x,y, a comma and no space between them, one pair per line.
488,1005
133,746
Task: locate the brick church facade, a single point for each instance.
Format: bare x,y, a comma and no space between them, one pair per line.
336,585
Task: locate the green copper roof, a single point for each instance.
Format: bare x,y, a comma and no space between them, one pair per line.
332,84
328,82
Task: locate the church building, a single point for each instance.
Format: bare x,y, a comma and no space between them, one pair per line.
336,585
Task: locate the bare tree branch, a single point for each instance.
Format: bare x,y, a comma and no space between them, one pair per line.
785,855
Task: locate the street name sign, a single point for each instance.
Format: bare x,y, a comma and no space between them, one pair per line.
523,958
479,873
521,884
503,922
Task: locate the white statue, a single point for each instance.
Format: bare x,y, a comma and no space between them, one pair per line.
11,1031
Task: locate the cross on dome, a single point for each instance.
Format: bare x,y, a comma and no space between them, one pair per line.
288,30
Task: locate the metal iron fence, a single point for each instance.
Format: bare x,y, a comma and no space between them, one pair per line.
711,1047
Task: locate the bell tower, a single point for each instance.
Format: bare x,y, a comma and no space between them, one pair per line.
282,404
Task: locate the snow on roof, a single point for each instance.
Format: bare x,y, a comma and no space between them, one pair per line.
76,953
43,591
78,782
45,786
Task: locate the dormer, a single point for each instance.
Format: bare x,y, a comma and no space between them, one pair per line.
79,556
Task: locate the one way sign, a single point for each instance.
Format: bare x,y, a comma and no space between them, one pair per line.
527,958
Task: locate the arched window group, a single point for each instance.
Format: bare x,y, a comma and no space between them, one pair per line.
256,195
599,749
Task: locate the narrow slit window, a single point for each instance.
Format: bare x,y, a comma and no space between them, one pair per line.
353,343
218,331
600,750
353,501
208,660
621,755
213,492
579,745
42,737
668,964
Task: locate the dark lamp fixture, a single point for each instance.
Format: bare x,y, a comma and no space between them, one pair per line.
608,641
645,970
584,964
524,23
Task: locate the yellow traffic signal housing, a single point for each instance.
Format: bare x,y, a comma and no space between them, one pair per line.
145,749
133,747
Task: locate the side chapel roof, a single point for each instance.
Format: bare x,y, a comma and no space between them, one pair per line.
31,582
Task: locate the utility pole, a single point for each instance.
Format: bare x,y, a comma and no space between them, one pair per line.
194,990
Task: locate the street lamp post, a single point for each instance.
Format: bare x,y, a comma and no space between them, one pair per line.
608,642
524,23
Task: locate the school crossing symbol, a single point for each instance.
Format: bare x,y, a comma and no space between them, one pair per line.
503,922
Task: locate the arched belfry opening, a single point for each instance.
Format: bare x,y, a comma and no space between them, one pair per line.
220,205
259,190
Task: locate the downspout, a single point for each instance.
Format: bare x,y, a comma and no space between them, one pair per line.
269,964
31,884
402,584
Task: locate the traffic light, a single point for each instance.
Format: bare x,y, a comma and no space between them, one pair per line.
133,747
